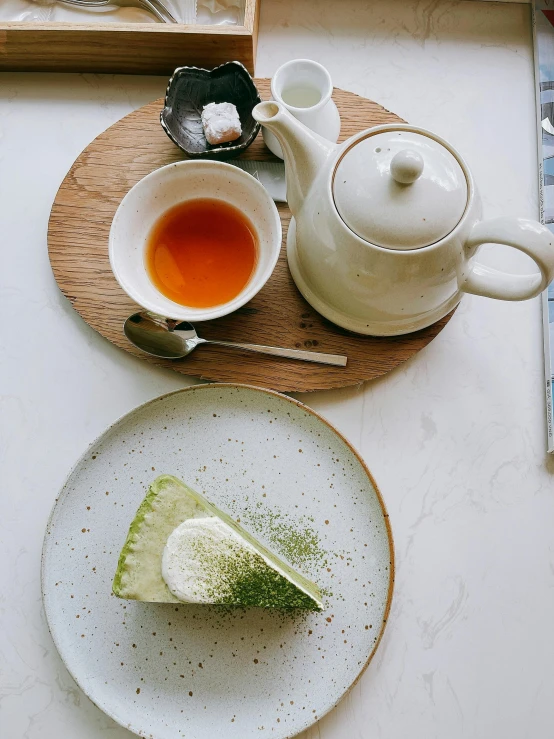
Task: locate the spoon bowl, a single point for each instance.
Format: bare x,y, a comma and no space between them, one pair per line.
160,337
169,339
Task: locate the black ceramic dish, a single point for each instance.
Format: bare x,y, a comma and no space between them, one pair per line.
189,89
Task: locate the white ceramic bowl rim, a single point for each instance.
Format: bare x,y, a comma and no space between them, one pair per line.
129,268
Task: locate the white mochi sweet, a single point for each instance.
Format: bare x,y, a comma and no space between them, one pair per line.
221,123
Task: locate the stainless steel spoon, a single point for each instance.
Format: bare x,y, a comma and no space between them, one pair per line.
168,339
156,7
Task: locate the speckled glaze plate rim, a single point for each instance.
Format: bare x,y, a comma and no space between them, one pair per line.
191,388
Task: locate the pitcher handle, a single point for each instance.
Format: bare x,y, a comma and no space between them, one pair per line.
530,237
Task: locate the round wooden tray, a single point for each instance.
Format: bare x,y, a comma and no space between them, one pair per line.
78,247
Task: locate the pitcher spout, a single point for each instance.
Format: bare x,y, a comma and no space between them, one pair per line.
305,152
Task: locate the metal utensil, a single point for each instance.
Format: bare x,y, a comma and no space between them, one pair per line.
156,7
168,339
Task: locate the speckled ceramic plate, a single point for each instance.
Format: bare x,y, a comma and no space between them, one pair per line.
166,671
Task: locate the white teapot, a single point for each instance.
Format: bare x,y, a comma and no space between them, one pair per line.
386,226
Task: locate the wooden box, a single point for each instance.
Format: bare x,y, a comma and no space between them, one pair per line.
140,48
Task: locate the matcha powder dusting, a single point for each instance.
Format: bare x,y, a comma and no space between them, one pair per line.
205,561
247,580
294,538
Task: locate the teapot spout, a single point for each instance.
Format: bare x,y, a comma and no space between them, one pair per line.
305,152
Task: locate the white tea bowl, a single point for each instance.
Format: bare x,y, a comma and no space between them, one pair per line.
171,185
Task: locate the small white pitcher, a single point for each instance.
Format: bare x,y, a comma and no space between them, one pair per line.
304,88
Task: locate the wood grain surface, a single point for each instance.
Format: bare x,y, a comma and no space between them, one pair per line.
78,246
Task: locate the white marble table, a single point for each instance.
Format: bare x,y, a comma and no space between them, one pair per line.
455,438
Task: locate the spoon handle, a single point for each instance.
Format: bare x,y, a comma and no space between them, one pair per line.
335,359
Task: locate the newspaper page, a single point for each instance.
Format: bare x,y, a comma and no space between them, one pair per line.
543,27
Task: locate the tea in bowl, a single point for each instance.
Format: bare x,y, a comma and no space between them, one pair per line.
195,240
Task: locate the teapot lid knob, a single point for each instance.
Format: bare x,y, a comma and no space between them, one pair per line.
406,166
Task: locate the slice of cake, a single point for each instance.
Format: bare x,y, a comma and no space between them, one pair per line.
182,549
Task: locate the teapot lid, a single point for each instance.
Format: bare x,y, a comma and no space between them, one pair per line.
400,188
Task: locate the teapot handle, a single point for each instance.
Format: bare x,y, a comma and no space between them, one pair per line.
530,237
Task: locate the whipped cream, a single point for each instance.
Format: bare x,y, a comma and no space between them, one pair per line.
192,556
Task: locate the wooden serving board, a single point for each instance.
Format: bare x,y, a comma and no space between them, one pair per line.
78,246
